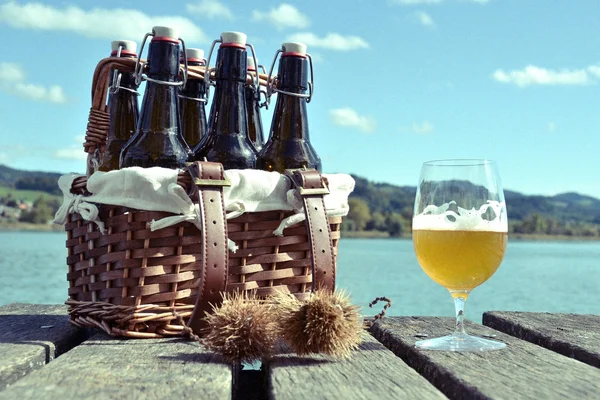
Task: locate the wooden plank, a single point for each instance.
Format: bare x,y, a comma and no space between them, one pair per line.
108,368
521,371
31,336
373,372
573,335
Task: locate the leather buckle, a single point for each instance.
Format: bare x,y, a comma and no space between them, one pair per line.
212,182
295,177
194,171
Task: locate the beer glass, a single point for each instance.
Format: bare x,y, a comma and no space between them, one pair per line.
459,234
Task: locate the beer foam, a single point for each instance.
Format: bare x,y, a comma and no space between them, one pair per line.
442,218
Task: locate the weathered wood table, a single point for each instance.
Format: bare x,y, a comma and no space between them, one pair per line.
547,356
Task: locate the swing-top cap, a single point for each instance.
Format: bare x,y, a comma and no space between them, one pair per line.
251,66
194,54
165,33
127,47
294,47
233,38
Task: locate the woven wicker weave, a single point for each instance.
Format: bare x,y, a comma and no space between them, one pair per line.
130,281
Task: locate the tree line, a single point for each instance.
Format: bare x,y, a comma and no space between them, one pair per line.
395,224
537,224
383,208
41,211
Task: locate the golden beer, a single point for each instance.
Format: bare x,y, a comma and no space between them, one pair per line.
459,260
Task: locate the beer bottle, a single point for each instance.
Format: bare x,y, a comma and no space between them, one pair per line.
252,95
122,106
227,139
192,101
158,141
289,145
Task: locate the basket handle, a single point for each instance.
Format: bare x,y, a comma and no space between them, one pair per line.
312,187
208,179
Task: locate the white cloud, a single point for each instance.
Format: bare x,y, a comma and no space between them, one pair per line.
12,80
332,41
551,126
11,72
94,23
594,70
347,116
422,128
73,152
53,94
424,19
210,9
284,16
532,75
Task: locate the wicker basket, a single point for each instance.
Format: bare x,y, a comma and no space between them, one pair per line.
130,280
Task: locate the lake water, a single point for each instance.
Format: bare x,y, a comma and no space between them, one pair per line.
534,276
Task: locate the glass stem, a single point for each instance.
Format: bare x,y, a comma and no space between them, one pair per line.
460,298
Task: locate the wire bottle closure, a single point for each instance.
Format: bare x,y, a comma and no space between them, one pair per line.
271,88
208,70
139,67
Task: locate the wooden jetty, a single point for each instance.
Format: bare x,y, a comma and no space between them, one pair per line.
548,356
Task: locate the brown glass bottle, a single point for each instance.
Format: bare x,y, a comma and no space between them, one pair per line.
252,93
158,141
289,143
227,139
192,102
122,106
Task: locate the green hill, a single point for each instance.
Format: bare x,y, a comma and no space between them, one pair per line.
26,195
383,207
29,180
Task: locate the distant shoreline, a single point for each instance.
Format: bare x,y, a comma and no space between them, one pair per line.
535,236
27,227
511,236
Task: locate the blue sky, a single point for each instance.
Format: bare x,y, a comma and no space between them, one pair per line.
397,82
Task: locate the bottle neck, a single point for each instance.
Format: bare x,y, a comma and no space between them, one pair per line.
194,88
250,94
293,74
231,64
123,109
255,130
163,60
160,109
290,119
127,78
228,111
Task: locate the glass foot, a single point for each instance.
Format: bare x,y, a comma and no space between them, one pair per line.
460,342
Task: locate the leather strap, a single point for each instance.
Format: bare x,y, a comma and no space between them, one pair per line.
208,179
312,187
